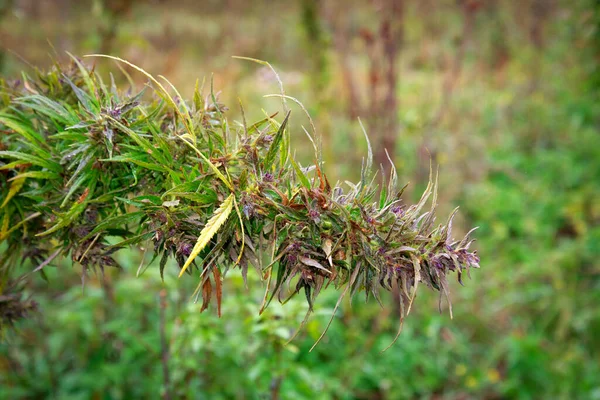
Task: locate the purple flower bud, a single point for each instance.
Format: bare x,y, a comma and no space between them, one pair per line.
185,249
81,231
314,215
116,113
471,258
398,210
268,177
436,263
248,210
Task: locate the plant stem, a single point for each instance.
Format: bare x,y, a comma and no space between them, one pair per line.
164,346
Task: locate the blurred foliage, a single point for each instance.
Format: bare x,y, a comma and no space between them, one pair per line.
518,149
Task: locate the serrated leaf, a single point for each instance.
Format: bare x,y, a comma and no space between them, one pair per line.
29,159
313,263
24,130
69,217
85,74
36,175
272,153
85,99
301,176
52,109
140,141
163,263
137,159
116,221
132,240
211,228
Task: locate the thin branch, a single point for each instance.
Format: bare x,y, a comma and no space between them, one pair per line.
164,346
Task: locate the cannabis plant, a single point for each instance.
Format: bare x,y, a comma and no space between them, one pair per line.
87,169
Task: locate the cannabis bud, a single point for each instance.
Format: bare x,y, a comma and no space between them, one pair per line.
88,170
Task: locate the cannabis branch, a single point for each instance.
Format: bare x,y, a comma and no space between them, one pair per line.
86,170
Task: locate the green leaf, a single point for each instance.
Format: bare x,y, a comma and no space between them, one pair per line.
86,100
50,108
138,159
85,73
163,263
142,201
37,175
301,176
24,130
29,159
272,153
141,142
116,221
73,188
67,219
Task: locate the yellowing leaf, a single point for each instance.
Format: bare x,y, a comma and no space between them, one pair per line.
15,187
4,229
211,228
327,247
4,232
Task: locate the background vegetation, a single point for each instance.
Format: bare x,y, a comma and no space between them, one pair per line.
503,95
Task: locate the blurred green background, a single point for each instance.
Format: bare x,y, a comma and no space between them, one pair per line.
503,95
